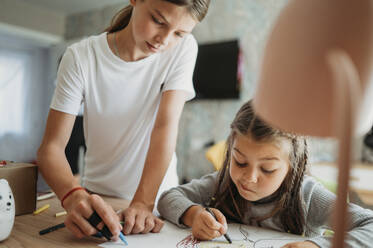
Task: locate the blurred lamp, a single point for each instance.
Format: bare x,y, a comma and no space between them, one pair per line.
314,79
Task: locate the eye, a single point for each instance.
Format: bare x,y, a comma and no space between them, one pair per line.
267,171
10,197
1,197
179,35
241,165
157,21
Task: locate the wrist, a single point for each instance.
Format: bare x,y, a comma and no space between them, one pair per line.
73,194
141,198
142,203
190,214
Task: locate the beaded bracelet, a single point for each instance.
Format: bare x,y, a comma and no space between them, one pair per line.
70,192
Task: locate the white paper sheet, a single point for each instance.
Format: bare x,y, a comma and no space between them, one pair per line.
174,237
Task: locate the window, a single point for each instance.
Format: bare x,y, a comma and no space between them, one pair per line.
24,97
13,66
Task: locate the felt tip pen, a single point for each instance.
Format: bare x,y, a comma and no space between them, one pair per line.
62,225
226,236
123,238
51,229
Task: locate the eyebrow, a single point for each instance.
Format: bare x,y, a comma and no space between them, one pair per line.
164,19
269,158
263,158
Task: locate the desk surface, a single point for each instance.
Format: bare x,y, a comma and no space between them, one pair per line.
26,228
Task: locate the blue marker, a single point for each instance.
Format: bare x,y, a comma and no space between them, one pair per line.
123,238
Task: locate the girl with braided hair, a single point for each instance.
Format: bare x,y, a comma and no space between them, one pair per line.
262,182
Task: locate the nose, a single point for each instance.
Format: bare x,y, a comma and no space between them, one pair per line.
163,38
251,175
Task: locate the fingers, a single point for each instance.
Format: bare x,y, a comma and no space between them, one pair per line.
74,229
210,221
76,220
137,220
139,223
221,219
106,213
129,220
148,225
158,225
203,233
206,227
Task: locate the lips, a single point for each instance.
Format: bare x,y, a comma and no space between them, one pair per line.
246,188
152,48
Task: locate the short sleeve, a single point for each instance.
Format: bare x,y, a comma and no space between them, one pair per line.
68,95
181,75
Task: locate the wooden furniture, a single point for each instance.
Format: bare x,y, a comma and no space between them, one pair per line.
26,228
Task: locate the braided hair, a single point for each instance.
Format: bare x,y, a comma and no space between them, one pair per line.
289,206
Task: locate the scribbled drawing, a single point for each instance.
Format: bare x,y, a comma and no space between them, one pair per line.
223,244
245,233
247,240
188,242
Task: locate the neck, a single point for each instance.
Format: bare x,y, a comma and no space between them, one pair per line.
126,45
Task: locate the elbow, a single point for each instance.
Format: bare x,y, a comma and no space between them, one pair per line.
40,154
47,151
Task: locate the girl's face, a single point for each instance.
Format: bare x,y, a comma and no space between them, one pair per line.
258,168
158,25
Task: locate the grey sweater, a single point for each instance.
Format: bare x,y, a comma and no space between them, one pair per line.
318,208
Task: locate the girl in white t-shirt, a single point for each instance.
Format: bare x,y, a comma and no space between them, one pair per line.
133,80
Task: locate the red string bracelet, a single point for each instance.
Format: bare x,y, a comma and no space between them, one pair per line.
70,192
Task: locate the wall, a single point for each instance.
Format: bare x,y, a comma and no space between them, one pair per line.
23,19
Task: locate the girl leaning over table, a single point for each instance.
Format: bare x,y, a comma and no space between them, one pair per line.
133,80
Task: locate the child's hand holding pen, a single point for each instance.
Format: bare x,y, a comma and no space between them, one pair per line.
205,226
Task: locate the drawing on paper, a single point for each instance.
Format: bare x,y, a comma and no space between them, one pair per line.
188,242
223,244
243,236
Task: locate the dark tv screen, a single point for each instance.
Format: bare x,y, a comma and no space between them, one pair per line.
215,74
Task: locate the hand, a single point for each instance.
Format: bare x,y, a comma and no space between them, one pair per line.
80,206
304,244
206,227
138,218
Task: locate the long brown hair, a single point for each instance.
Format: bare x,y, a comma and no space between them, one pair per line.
288,201
197,8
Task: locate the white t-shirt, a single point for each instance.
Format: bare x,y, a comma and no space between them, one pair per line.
121,101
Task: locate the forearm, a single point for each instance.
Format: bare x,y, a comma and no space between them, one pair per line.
161,149
55,169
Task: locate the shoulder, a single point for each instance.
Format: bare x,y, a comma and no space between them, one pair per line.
189,42
313,191
308,186
208,180
84,47
187,45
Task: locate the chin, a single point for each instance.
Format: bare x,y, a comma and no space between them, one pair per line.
248,195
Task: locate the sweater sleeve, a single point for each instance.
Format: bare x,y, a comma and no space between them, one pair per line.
320,209
173,203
